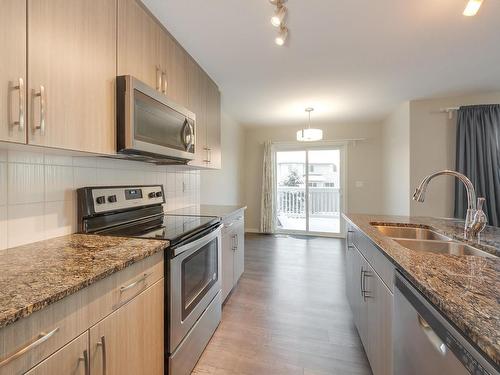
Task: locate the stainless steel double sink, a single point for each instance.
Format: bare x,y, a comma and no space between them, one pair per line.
427,240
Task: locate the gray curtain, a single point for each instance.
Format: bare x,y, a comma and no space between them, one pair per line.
478,157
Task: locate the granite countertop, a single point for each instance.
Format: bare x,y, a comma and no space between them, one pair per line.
220,211
36,275
466,289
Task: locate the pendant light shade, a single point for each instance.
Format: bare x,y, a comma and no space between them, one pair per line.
309,134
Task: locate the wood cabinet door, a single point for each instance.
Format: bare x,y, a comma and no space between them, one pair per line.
130,341
239,252
228,236
13,113
379,323
175,68
139,44
197,103
71,70
213,125
71,359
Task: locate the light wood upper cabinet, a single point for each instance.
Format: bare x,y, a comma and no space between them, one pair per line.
197,103
175,70
213,125
12,71
71,70
72,359
130,340
139,44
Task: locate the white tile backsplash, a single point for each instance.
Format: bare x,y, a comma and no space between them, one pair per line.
37,190
3,183
24,224
3,227
25,183
58,183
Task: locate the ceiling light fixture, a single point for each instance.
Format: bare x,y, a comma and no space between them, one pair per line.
279,15
278,20
309,134
282,35
472,8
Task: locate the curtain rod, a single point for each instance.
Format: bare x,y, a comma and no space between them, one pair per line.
449,111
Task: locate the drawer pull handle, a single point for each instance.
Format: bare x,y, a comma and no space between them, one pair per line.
135,283
40,339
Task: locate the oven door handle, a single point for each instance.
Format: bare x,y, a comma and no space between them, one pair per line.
199,242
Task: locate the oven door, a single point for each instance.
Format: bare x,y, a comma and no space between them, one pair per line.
150,123
195,280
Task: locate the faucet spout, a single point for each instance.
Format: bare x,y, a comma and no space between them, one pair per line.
475,219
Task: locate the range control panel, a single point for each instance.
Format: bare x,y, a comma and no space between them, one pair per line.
113,198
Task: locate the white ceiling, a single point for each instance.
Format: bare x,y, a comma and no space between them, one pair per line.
353,60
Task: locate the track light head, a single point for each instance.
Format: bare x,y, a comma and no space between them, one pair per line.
282,35
279,16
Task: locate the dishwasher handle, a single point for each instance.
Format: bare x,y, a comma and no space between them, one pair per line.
434,339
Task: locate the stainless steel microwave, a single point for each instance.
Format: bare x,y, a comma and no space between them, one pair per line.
150,127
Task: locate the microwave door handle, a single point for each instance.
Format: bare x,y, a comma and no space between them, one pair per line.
187,133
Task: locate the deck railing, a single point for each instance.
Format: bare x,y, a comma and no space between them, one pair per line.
323,201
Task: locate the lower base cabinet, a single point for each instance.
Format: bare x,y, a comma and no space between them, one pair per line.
126,342
233,252
371,303
113,327
71,359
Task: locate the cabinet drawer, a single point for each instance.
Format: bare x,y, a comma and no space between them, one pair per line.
72,359
109,294
32,339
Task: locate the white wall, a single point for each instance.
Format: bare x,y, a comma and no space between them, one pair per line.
364,165
37,190
395,133
224,186
432,145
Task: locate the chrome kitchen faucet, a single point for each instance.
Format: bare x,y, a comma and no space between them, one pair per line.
475,219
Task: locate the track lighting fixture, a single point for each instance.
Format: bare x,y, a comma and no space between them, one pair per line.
278,20
282,35
279,15
472,8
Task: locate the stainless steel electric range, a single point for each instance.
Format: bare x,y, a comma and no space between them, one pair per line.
192,261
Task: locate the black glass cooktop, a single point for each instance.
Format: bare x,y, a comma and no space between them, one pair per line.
174,228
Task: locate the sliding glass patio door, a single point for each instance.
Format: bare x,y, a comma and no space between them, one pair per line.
309,190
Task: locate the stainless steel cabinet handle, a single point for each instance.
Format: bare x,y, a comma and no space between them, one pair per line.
20,87
41,338
164,82
438,344
41,126
361,281
85,360
102,344
207,149
365,293
158,78
131,285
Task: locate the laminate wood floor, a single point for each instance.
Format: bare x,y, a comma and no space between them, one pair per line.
289,313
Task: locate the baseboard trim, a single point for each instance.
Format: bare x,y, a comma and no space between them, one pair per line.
252,230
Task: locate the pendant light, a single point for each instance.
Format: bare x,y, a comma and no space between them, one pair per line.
309,134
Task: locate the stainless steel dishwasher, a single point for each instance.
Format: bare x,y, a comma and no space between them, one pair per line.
425,343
